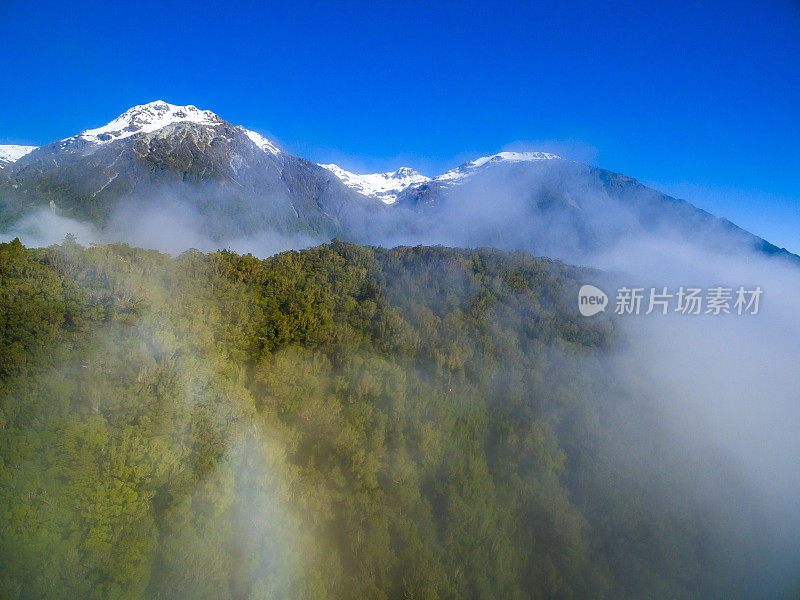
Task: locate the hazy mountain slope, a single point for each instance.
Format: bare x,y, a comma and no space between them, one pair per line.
555,207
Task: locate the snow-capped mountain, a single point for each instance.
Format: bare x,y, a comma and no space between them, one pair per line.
492,170
146,118
388,186
467,169
236,178
10,153
231,182
158,115
383,186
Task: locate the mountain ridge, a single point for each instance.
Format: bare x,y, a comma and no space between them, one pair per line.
238,183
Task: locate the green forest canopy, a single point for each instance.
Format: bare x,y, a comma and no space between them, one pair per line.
340,422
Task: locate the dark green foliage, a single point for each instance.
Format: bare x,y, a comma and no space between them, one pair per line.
342,422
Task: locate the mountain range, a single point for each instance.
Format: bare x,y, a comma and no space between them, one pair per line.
234,182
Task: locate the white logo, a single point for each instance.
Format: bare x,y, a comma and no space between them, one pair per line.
591,300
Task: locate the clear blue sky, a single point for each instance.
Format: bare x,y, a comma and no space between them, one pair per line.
698,99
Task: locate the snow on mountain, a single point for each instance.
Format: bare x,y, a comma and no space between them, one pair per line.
11,153
260,141
387,186
469,168
147,118
384,186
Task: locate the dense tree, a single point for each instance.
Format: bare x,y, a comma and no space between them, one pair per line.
341,422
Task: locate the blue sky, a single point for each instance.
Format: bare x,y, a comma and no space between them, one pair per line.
701,100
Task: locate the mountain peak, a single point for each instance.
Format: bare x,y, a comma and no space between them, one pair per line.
514,157
387,186
383,186
10,153
469,168
145,118
404,172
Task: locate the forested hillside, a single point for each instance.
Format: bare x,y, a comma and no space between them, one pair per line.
341,422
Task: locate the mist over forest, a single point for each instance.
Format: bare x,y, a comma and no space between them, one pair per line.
354,422
229,372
